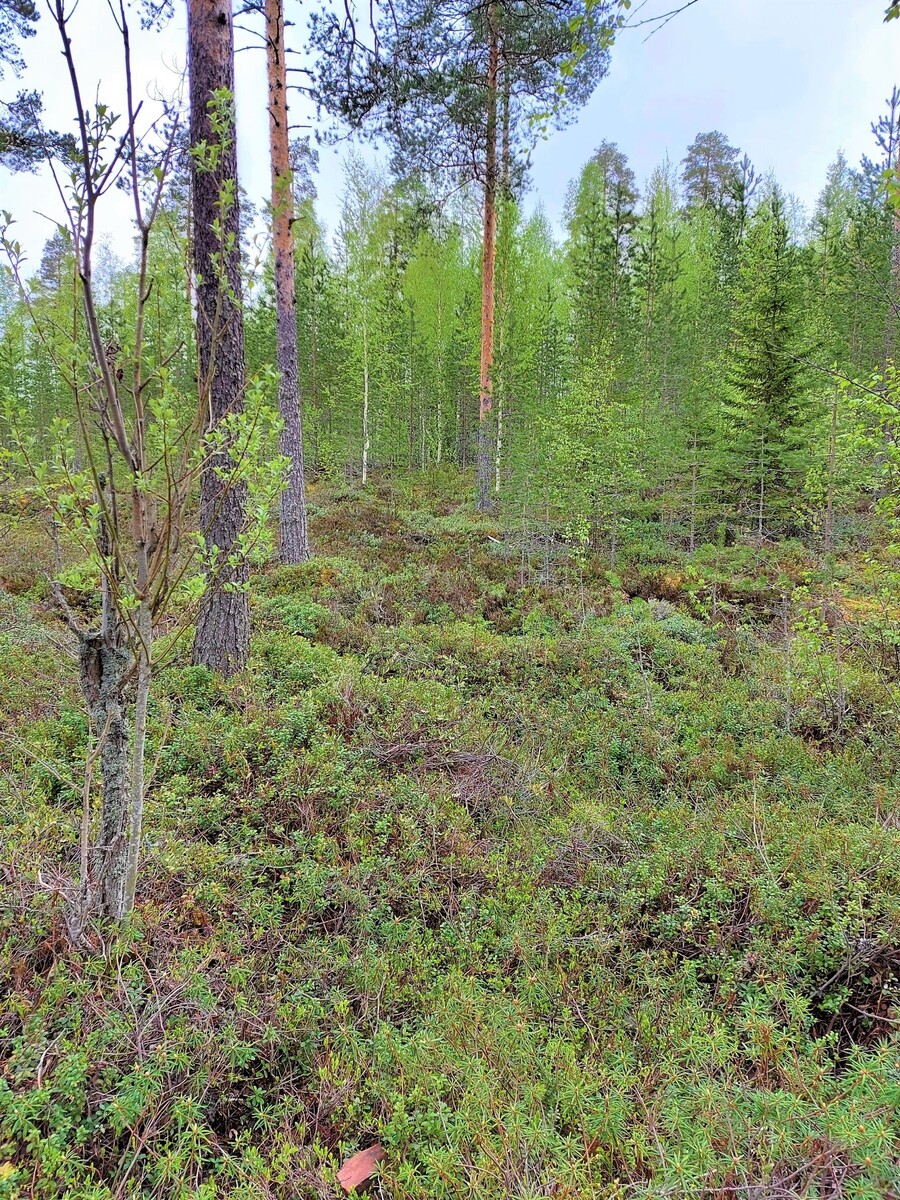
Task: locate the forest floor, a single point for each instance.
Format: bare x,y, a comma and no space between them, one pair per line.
574,886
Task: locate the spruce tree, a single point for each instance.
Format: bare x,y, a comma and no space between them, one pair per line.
767,400
601,216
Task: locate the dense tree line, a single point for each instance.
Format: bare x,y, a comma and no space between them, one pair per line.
680,356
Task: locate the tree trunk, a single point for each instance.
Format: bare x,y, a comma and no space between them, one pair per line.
222,640
489,246
694,470
504,223
462,425
365,411
410,423
294,530
314,358
110,660
832,470
144,645
890,348
498,447
103,663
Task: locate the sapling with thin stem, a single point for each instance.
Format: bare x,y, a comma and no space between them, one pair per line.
119,481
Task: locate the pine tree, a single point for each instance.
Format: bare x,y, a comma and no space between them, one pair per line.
710,171
435,90
222,640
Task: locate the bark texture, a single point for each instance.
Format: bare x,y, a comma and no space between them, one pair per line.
294,529
222,640
486,440
102,666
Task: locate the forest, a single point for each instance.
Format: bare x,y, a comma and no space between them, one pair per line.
449,657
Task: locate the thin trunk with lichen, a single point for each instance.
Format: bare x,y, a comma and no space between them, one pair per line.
103,664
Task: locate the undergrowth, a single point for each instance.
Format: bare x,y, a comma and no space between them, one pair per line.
579,882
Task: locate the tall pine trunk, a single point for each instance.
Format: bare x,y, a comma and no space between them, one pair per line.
294,530
504,234
222,640
486,446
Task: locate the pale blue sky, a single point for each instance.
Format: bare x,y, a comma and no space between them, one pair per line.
789,81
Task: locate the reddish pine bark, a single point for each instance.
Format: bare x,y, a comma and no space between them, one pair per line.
488,259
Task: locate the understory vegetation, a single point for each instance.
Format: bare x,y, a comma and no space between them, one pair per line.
556,880
449,658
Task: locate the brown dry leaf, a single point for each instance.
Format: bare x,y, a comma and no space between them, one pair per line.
359,1168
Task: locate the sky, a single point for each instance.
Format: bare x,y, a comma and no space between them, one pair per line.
788,81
